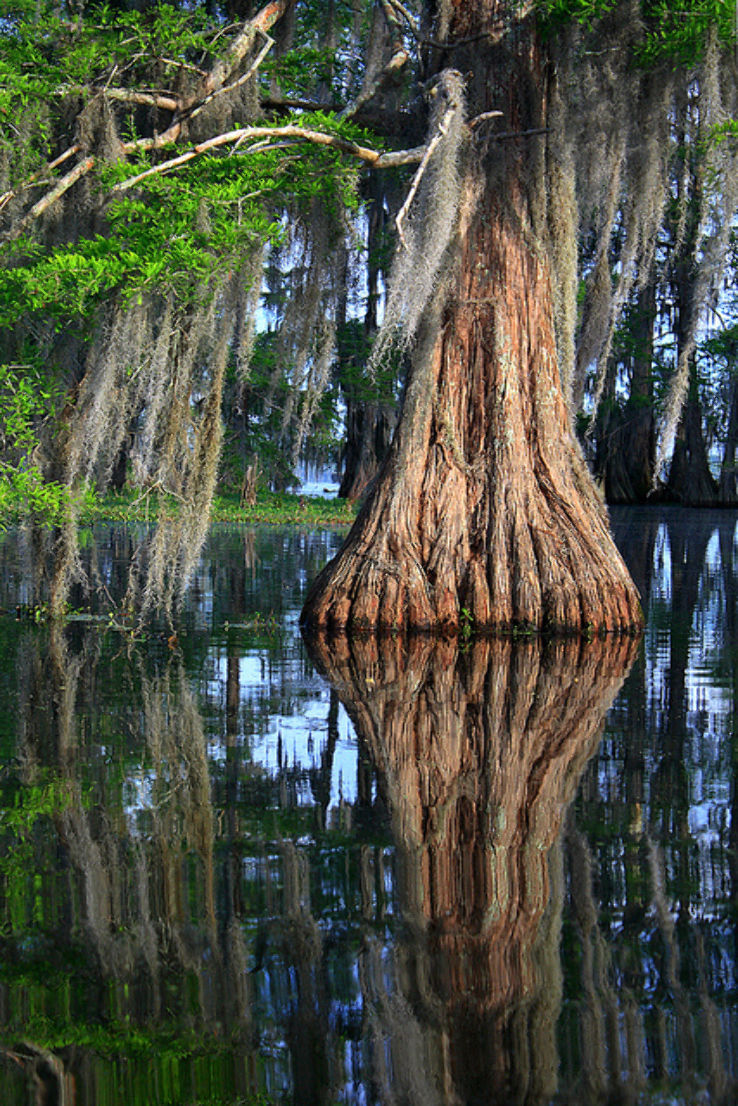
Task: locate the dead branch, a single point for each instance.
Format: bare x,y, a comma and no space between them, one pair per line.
427,154
130,96
37,177
483,117
268,43
261,23
62,186
237,137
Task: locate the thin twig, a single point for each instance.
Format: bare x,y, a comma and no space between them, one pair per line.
518,134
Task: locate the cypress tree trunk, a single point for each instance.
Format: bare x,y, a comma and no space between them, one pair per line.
728,471
690,480
484,512
627,438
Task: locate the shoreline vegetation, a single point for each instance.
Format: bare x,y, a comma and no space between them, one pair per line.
274,508
133,507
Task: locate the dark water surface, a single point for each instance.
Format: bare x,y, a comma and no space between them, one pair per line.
235,870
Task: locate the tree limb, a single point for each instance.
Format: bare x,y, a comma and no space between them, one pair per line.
399,59
427,154
269,42
215,85
262,23
62,186
130,96
300,134
49,167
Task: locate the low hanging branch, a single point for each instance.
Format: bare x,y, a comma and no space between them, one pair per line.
298,134
220,80
375,158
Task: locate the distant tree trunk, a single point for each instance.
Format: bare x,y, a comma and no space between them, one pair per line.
690,479
728,487
369,425
627,441
485,512
369,430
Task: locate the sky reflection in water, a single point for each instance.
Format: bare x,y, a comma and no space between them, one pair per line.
241,870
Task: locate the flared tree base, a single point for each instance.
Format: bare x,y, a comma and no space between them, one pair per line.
484,516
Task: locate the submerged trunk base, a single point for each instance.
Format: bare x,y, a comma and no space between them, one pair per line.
554,578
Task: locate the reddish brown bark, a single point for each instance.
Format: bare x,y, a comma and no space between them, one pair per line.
484,513
478,753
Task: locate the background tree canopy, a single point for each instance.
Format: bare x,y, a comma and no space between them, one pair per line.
198,216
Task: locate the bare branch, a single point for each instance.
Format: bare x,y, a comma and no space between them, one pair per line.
129,96
407,16
262,23
62,186
485,115
395,158
319,138
38,177
268,43
428,152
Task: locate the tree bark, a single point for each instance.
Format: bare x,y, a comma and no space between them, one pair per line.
690,480
484,513
627,436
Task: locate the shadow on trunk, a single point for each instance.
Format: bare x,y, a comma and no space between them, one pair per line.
478,752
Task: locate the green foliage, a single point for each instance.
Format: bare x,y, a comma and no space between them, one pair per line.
678,32
178,233
27,400
48,53
672,32
276,508
356,381
281,508
723,345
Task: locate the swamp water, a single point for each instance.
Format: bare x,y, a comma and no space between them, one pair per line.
237,870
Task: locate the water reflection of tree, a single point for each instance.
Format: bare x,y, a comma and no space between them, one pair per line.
479,752
647,892
121,907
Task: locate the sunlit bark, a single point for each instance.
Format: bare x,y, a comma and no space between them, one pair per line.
484,512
